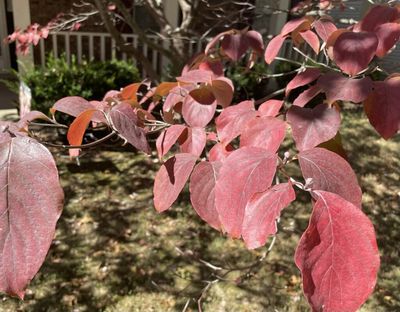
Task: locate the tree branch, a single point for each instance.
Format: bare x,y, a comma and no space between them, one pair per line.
122,44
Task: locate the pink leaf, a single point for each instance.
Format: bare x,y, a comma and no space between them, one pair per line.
170,180
324,28
312,39
30,205
352,51
339,87
175,96
219,152
232,120
202,192
244,172
302,79
214,41
222,88
330,172
31,116
235,46
382,107
262,211
195,142
196,76
196,114
270,108
273,48
311,127
215,67
376,16
255,41
292,25
388,35
125,122
75,105
264,132
337,255
307,95
168,138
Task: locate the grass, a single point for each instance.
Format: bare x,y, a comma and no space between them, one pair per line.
113,252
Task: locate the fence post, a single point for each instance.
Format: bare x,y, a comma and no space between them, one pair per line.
22,18
172,15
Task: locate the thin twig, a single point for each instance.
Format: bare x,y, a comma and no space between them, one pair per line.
270,96
88,145
55,125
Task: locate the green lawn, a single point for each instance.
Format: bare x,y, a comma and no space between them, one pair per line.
113,252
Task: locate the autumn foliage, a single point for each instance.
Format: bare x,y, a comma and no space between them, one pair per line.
231,155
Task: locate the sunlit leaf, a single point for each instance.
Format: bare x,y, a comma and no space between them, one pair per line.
337,255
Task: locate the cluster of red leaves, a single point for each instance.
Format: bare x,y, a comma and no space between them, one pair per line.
353,50
229,154
27,37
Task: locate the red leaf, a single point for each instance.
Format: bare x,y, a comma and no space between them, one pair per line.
175,96
312,39
196,76
262,211
222,88
335,145
32,115
164,88
302,79
168,138
202,192
382,107
195,142
170,180
214,41
235,46
294,24
219,152
233,119
270,108
273,48
339,87
388,35
255,41
129,93
75,105
78,127
264,132
196,114
337,255
352,51
330,172
324,28
203,95
244,172
214,66
376,16
125,122
307,95
311,127
30,205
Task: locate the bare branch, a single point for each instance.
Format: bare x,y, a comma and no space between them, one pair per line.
122,44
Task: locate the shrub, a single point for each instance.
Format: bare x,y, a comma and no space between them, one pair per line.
89,79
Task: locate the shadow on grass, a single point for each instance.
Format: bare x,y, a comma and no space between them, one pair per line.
113,252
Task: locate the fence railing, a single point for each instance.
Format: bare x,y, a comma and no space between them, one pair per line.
101,47
91,46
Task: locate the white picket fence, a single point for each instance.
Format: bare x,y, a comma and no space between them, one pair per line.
101,47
